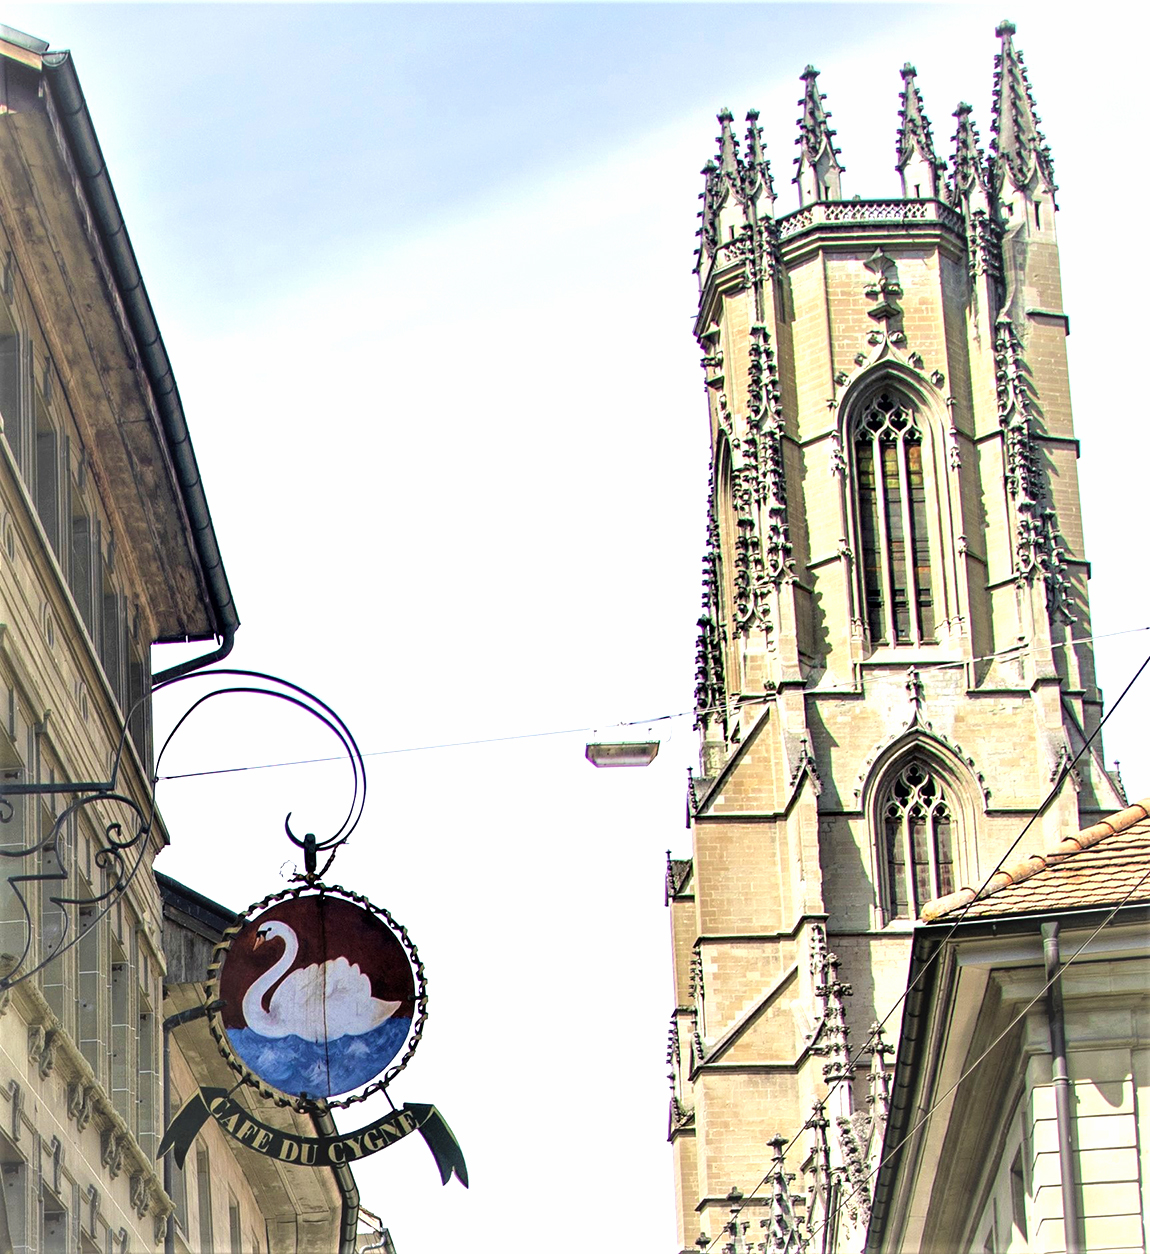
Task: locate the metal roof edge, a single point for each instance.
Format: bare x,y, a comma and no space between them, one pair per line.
21,39
180,897
916,1009
60,75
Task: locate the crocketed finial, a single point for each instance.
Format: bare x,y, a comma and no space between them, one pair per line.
916,160
1019,152
818,175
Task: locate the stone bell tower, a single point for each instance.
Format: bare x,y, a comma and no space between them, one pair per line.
893,665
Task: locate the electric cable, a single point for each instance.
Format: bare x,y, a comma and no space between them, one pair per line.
635,722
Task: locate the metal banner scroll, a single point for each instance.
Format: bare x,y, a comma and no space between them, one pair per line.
286,1147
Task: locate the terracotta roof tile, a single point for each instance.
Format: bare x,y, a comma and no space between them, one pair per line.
1099,866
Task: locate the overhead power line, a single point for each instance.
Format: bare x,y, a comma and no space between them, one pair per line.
1002,654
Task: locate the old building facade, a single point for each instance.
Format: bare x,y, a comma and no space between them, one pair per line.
894,672
106,548
1026,1035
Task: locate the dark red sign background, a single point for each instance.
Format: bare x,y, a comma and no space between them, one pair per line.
326,927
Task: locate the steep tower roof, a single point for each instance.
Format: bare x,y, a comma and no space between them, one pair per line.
916,160
818,175
1019,150
968,177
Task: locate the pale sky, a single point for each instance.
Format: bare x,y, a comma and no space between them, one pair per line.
424,273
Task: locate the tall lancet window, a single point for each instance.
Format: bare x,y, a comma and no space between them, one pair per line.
891,491
917,841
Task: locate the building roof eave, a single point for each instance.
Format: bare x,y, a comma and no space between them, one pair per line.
923,988
60,76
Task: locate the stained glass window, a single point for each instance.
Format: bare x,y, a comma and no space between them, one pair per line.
891,500
918,839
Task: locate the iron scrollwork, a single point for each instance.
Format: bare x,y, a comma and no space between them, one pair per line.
46,860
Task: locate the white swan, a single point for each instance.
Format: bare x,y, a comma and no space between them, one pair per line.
321,1002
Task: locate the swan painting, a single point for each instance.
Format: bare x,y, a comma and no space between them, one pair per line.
318,996
317,1003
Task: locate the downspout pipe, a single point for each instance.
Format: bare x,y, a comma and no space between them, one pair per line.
173,1021
345,1182
1071,1210
197,663
60,75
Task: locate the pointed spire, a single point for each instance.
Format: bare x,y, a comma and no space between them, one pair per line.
728,146
1019,151
730,212
757,181
819,169
878,1082
917,162
833,991
736,1228
785,1223
968,187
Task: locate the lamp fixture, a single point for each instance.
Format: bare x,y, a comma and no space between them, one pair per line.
622,753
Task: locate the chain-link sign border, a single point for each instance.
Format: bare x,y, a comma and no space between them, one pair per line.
215,1020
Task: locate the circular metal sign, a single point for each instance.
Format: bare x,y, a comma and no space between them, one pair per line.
316,994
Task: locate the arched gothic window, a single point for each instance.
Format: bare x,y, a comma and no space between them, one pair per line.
918,831
893,535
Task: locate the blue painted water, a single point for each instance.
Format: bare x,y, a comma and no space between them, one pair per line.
324,1068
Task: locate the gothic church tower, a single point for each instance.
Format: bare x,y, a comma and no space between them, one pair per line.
892,674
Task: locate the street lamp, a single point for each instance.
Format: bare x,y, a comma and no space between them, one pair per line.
622,752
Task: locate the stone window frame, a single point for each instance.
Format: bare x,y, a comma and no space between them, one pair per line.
916,837
895,525
931,521
963,797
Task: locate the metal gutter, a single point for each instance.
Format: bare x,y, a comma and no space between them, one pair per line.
60,77
911,1041
345,1181
1063,1093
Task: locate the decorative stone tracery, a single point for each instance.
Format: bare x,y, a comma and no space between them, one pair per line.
710,678
1038,550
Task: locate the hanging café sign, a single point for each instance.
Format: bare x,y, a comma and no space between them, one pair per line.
313,993
317,999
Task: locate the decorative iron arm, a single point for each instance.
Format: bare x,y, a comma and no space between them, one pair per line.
113,857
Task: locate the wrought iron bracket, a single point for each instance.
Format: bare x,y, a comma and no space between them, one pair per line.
44,858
